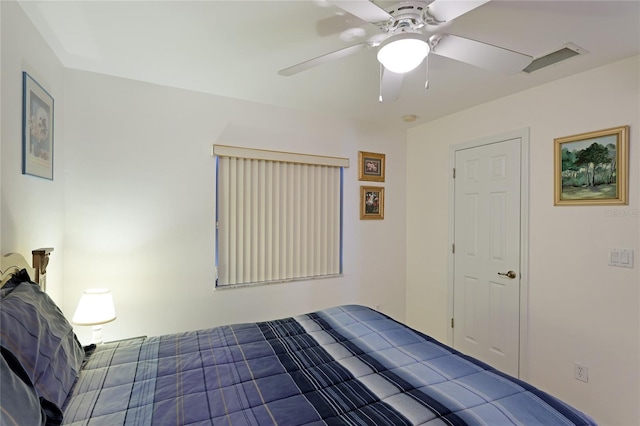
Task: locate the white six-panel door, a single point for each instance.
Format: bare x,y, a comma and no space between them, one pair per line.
486,305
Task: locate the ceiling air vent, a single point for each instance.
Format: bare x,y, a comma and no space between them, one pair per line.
568,51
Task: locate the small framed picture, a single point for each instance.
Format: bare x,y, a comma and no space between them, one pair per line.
371,166
592,168
37,129
371,202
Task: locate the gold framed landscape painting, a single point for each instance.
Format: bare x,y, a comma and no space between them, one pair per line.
371,166
592,168
371,202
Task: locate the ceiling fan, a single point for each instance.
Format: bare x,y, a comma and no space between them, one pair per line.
410,34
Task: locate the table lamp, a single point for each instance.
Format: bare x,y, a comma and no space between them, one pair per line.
95,308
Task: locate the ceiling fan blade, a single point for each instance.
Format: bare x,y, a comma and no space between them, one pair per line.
338,54
390,85
447,10
363,9
480,54
336,24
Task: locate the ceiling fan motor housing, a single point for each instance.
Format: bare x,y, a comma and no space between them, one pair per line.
407,16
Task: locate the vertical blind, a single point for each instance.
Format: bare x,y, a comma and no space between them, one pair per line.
279,216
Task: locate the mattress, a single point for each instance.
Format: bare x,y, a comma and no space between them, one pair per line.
348,365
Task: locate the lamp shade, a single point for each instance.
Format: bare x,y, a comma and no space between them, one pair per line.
403,52
95,307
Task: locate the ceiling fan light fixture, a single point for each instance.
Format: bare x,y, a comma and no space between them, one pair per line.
403,52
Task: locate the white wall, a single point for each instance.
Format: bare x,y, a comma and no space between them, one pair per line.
32,209
580,308
140,206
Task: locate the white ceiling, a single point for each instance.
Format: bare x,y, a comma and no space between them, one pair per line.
235,48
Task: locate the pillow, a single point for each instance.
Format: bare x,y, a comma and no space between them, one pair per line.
19,399
33,328
13,282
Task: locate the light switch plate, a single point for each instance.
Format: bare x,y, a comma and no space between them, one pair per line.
621,258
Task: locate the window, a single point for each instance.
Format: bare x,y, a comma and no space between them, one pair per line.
279,216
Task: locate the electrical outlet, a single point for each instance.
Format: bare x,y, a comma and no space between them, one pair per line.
581,372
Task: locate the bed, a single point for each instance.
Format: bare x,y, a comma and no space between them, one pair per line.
345,365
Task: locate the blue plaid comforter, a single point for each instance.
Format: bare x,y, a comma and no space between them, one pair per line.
348,365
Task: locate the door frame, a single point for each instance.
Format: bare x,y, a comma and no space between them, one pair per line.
523,135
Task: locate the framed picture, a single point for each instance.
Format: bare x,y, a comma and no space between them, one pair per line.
37,129
371,166
371,202
592,168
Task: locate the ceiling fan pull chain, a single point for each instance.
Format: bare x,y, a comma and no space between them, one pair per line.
380,85
426,81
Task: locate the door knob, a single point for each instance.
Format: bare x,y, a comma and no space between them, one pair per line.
509,274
